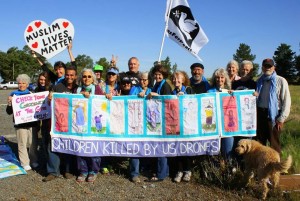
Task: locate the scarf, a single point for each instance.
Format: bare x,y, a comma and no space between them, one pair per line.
157,87
273,102
90,88
59,80
135,90
19,92
207,86
176,90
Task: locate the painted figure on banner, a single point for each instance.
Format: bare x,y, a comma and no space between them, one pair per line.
154,116
135,117
99,114
208,115
172,117
230,113
248,112
79,123
117,117
190,120
61,114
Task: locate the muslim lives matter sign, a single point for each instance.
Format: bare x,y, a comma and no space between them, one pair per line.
130,126
47,40
31,107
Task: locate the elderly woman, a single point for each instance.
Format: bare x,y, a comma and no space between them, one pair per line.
112,87
233,69
88,166
220,82
161,87
24,131
246,73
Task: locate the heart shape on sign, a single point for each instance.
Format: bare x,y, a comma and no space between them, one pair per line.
46,40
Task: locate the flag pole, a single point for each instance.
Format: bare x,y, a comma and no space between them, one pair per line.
166,27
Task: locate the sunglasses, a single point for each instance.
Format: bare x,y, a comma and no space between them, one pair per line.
111,74
86,76
268,66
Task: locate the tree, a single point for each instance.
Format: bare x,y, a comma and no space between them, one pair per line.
165,63
244,53
284,59
297,66
105,63
82,61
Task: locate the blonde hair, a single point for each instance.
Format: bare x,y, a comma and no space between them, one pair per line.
221,72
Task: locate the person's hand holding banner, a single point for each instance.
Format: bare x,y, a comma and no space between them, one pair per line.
46,40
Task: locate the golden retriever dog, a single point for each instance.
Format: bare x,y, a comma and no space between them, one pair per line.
263,161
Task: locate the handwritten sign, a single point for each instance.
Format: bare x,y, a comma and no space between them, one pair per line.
162,126
31,107
46,40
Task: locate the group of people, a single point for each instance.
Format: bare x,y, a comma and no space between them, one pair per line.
273,105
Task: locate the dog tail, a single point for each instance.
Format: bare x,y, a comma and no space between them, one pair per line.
282,166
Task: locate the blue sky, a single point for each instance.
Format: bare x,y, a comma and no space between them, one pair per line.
135,28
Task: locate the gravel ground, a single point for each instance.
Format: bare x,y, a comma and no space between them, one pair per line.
106,187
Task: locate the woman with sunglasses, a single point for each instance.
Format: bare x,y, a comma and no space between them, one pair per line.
88,166
112,87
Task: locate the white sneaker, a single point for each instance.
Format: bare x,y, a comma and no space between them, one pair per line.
178,177
187,176
27,167
34,165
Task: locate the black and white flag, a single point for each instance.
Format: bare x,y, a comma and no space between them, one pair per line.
183,28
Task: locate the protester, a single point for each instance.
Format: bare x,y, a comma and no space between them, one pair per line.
112,87
98,70
141,90
246,73
88,167
232,70
220,82
161,87
198,82
44,84
24,131
184,163
59,67
68,85
125,86
133,71
273,105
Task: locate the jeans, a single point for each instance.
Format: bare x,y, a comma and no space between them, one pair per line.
88,164
162,167
227,147
134,166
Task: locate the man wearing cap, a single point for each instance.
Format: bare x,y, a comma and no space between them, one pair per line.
133,73
98,69
199,83
273,105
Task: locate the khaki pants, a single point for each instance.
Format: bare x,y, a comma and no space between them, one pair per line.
26,136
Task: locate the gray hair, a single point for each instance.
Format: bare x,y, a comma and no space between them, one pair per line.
23,78
79,79
247,62
131,58
221,72
146,74
233,62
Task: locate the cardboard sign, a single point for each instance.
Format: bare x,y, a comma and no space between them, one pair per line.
47,40
31,107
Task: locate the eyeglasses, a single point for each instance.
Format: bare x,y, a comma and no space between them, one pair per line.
86,76
144,80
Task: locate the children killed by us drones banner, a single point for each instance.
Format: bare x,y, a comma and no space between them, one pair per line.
169,126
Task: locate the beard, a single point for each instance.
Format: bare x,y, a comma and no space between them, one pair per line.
197,77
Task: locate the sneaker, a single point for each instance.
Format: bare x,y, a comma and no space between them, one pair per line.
91,177
187,176
81,178
178,177
50,177
135,179
34,165
68,175
27,167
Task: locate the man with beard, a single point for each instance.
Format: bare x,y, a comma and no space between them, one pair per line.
199,83
273,105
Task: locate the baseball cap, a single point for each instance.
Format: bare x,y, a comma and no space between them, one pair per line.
98,67
194,65
125,80
268,62
113,70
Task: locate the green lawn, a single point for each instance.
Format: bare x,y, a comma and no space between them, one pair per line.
290,136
